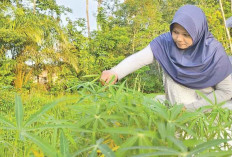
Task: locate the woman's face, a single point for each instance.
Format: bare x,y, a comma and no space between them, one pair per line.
181,37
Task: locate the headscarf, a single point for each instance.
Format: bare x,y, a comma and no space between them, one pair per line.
230,57
203,64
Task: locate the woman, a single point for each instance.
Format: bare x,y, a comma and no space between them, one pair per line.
191,58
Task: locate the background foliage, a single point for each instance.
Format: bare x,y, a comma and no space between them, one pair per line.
35,40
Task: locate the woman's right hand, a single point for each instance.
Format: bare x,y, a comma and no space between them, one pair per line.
108,76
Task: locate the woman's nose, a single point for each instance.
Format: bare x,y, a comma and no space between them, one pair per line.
179,38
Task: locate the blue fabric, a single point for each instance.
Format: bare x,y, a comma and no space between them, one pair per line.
204,64
230,57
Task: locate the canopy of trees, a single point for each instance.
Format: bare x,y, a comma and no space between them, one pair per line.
33,39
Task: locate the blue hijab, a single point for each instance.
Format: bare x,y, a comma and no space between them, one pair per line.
204,64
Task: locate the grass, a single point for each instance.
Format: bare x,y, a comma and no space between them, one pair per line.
109,121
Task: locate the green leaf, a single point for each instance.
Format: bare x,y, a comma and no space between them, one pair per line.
170,129
206,145
111,80
188,130
86,121
19,112
160,151
82,150
160,110
120,130
99,141
129,142
187,116
7,122
93,75
38,114
215,98
159,148
204,97
175,111
46,147
64,147
162,130
178,143
106,150
119,91
217,154
93,153
192,142
57,126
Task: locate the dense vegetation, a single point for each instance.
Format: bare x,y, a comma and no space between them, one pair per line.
69,113
110,121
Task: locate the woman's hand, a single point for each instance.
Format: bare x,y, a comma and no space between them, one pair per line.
108,76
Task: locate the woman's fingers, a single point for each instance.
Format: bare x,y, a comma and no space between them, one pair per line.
103,77
108,77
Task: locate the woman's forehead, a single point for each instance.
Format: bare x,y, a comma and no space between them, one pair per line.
179,28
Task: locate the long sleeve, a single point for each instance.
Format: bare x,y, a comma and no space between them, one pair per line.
134,62
223,92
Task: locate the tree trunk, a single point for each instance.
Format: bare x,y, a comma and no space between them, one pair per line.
227,31
98,11
34,6
17,3
133,43
99,4
87,15
19,76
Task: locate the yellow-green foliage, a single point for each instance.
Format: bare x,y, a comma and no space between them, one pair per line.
110,120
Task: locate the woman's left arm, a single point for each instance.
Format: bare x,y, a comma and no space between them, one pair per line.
223,92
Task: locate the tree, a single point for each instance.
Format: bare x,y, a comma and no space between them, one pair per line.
99,9
37,38
224,20
87,17
34,6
